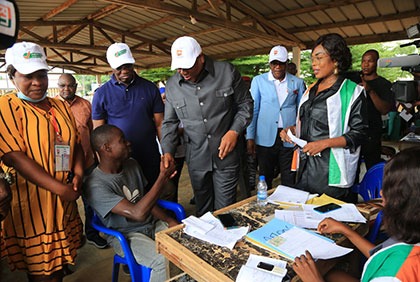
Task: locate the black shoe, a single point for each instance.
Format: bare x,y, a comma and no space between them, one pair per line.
126,270
97,241
192,201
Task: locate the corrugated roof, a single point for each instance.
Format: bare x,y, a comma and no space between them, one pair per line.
76,33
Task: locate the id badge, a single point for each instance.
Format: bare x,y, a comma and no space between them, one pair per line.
62,157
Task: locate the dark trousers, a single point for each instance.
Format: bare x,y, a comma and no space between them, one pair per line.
276,156
371,151
214,189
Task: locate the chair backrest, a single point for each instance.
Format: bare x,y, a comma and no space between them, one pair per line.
138,272
371,184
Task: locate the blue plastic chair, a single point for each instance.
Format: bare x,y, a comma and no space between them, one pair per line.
371,184
369,188
138,272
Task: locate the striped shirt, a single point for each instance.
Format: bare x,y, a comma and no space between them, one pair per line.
41,232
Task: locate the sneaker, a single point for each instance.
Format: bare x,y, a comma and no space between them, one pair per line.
98,241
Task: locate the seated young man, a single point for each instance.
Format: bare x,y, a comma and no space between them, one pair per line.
115,190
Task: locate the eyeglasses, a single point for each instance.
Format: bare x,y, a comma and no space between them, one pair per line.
67,85
125,67
277,63
318,59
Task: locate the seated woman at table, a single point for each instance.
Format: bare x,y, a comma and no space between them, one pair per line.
332,118
398,258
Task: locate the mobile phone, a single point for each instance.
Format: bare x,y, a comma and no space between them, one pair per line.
227,220
327,208
265,266
271,268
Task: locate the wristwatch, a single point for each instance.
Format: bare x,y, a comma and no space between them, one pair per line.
8,177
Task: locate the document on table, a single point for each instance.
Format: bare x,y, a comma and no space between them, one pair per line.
291,241
208,228
284,195
309,218
250,273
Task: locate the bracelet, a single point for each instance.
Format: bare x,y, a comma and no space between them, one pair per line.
8,177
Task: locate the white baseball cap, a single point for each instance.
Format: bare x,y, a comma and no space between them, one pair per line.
278,53
119,54
26,57
184,51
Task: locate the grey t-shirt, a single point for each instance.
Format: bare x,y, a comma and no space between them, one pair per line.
104,191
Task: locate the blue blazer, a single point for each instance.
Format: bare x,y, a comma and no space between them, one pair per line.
264,126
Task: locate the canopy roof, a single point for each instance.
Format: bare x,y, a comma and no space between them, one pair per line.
76,33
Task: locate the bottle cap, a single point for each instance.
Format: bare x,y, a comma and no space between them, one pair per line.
262,177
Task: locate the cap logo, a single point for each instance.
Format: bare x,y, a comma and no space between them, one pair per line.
276,52
5,16
29,55
121,52
179,52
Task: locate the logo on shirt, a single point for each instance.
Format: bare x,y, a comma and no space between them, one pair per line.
133,197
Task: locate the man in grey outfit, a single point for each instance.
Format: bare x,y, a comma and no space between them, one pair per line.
215,106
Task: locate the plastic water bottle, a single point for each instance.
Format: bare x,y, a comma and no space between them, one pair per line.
262,191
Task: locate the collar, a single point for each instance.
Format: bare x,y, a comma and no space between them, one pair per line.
271,77
116,82
66,101
207,70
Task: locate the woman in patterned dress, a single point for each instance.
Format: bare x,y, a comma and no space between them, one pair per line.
39,146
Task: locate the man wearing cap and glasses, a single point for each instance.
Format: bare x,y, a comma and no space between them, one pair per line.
276,98
215,106
134,105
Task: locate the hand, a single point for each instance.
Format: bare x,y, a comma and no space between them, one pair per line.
283,134
77,183
316,147
68,193
228,143
305,268
171,221
167,166
250,147
331,226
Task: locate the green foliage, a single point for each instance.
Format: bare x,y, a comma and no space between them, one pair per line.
255,65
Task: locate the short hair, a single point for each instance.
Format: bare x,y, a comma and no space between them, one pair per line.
101,135
68,75
401,191
372,51
337,48
10,70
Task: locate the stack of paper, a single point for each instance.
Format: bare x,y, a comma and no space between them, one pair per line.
308,218
284,195
291,241
208,228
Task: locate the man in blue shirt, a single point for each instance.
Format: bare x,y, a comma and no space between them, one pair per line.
134,105
276,97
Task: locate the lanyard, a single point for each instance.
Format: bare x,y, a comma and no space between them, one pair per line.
53,120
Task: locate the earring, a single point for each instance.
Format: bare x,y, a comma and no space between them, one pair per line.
336,68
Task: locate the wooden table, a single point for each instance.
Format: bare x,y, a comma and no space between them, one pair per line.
207,262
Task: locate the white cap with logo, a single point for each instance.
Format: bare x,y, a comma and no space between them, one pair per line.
26,57
119,54
278,53
184,51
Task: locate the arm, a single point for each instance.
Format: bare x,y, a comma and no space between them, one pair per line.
244,105
78,167
98,122
158,118
33,172
141,210
332,226
376,87
159,213
381,105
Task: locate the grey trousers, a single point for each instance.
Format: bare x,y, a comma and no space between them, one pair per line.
214,189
